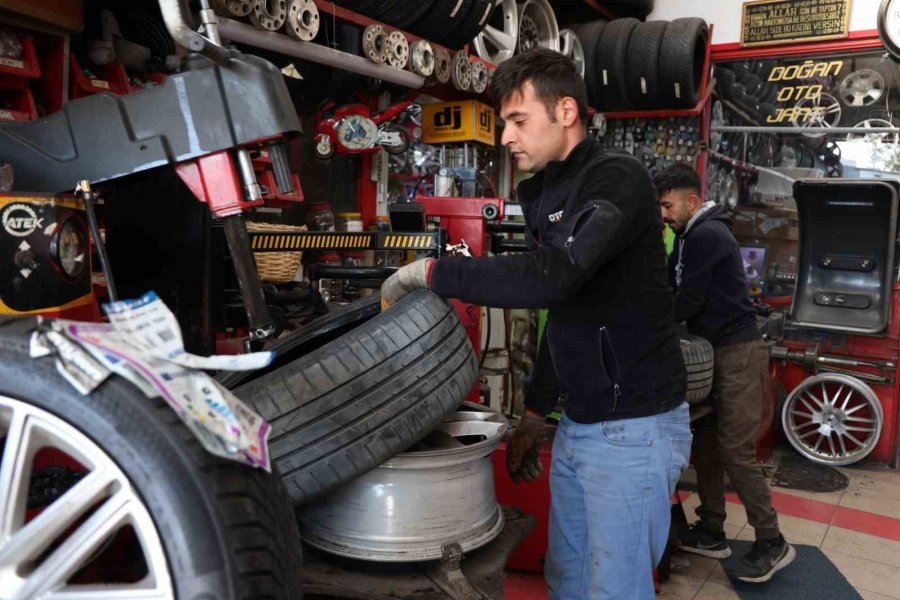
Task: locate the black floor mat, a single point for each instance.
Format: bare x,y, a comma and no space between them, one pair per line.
810,577
795,472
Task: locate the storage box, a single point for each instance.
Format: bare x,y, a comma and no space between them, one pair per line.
463,121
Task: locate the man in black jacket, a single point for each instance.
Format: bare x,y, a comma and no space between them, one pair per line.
707,271
597,262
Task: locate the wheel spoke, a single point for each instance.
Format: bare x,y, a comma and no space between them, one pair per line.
831,445
837,395
13,474
27,543
807,405
818,443
79,545
854,440
860,429
843,445
809,396
110,592
862,420
854,409
503,41
847,399
800,413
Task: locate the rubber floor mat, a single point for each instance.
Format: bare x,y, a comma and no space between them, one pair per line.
810,577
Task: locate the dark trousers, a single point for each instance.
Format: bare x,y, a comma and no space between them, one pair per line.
726,442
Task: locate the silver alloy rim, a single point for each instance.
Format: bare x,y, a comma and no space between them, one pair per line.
497,40
874,138
862,88
78,523
833,419
828,117
718,118
537,26
570,46
302,20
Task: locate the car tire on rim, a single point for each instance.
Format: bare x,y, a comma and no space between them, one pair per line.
208,527
342,410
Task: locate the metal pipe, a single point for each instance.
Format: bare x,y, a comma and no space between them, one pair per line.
278,42
858,375
252,191
258,318
84,188
336,272
802,131
181,26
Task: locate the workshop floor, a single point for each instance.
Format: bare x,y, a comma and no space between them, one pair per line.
857,528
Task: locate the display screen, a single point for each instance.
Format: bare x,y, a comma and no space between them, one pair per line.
754,259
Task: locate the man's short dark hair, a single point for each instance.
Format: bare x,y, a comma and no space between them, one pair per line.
680,176
552,75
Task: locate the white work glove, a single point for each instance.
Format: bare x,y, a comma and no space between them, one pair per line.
407,279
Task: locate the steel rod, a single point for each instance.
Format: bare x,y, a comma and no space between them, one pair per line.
278,42
807,131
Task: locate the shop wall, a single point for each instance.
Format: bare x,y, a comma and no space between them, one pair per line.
726,15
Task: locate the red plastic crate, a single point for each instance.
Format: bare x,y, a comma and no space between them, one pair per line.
26,66
112,79
20,105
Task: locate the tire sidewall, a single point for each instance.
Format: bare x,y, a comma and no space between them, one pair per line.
133,431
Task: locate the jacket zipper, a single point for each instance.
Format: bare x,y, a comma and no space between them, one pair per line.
579,217
617,391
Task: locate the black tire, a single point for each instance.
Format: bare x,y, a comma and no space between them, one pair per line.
630,8
725,79
642,64
365,397
402,14
698,360
228,531
444,16
682,58
479,15
613,49
589,36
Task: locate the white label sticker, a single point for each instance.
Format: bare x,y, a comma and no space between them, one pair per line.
605,80
11,62
456,8
678,90
100,84
7,115
643,85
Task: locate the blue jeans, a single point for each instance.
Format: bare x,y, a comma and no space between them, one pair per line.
611,485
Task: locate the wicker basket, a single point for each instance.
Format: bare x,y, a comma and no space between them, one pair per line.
276,267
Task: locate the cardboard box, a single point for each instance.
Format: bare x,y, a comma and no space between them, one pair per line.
463,121
766,223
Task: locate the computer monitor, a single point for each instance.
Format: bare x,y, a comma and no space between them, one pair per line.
754,259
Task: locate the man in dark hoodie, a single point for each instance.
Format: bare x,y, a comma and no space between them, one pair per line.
707,273
597,262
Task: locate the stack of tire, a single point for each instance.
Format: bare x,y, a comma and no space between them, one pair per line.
451,23
746,87
631,65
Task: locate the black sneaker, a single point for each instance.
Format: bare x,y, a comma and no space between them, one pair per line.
705,542
766,558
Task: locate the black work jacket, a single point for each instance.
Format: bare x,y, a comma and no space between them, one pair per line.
597,263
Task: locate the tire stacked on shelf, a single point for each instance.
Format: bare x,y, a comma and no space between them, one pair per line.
633,65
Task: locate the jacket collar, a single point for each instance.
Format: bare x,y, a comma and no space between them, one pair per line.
557,170
701,215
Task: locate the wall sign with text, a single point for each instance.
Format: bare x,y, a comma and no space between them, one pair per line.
768,22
